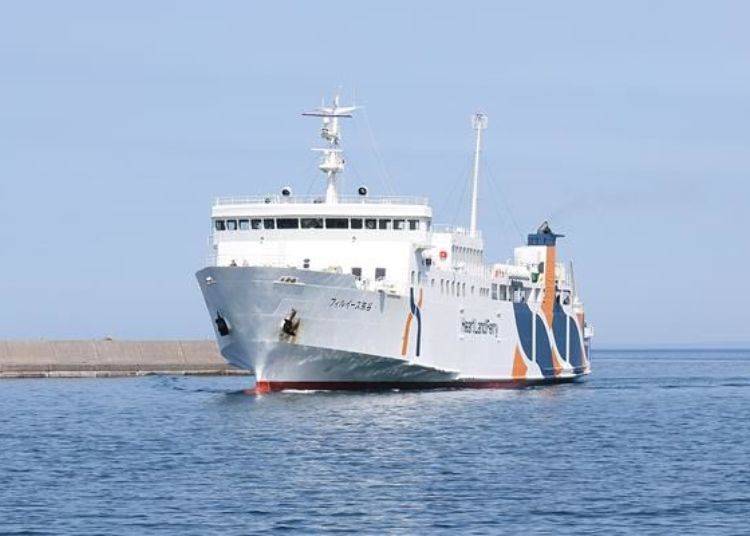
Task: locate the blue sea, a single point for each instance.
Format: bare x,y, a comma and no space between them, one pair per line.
654,442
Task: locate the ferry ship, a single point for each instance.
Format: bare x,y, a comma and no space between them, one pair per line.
342,292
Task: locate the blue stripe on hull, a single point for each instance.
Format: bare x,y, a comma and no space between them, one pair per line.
524,320
561,335
560,330
576,348
543,349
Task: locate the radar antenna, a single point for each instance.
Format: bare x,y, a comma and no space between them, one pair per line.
332,161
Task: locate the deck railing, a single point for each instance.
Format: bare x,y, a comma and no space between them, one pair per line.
317,199
444,228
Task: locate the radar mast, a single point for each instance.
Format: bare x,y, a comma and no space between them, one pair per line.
332,160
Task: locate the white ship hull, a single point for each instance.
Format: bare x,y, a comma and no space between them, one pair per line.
349,338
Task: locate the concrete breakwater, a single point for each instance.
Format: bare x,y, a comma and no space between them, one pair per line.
83,358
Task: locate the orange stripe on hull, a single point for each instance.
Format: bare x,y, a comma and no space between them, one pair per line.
548,303
407,327
519,366
405,339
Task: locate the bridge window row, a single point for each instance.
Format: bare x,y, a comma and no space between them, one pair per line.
250,224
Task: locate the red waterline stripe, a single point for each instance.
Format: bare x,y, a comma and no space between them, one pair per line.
264,386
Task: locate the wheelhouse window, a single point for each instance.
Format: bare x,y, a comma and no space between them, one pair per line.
371,223
399,225
356,223
244,225
307,223
287,223
413,225
255,224
219,225
231,225
379,274
385,224
268,223
337,223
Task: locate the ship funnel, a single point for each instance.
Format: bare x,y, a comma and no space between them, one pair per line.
543,236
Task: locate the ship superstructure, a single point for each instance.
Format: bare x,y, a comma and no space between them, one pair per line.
350,292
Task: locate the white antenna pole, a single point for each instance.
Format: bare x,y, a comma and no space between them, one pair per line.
479,122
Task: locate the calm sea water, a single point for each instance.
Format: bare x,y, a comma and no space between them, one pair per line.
652,443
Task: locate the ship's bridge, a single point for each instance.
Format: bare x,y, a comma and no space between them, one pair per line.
373,238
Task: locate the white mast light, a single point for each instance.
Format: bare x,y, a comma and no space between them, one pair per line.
479,123
332,161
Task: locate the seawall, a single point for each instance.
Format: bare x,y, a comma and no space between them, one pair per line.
91,358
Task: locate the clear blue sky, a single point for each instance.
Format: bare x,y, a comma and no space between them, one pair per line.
625,123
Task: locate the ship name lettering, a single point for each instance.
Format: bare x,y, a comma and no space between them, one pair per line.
479,327
350,305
